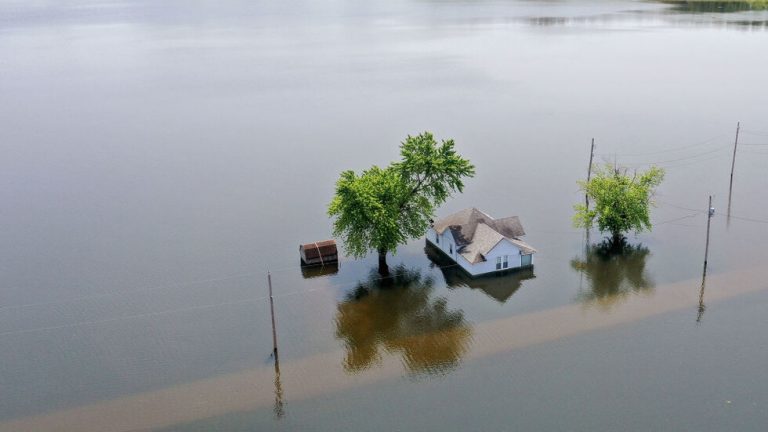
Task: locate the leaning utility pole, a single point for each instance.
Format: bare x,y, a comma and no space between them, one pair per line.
272,312
586,193
710,213
702,307
733,161
589,172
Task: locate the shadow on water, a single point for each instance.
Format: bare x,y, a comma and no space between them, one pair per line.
612,271
499,287
400,315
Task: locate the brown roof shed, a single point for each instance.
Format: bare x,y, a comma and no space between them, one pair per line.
319,252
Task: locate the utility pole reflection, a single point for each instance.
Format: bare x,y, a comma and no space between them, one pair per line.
702,307
279,405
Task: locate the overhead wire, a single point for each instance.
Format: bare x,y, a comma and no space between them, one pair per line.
678,219
129,317
721,148
763,221
669,150
129,291
754,132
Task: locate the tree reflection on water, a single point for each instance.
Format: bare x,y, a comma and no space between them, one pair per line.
613,271
713,6
399,314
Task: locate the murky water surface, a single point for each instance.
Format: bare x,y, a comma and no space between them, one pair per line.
160,157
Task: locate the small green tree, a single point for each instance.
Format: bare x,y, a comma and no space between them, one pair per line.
383,208
621,201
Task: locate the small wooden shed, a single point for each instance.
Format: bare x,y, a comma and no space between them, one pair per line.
322,252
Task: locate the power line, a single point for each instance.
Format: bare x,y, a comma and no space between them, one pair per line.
717,214
678,219
721,148
754,132
130,291
670,150
194,308
681,207
128,317
711,158
746,219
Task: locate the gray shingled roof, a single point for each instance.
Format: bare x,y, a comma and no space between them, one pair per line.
476,233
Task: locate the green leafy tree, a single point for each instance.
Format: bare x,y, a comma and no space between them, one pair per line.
383,208
621,201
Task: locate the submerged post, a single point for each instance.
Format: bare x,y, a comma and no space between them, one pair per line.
589,171
733,161
272,312
702,307
586,193
710,212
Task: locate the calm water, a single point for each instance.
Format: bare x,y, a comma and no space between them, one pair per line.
159,157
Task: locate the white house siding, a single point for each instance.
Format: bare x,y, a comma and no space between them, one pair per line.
489,265
504,247
446,243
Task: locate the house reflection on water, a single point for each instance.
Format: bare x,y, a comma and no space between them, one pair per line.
612,272
401,315
309,271
499,286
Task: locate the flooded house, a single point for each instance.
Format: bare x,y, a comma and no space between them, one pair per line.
480,244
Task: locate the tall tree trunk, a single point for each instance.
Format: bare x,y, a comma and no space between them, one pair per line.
617,240
383,267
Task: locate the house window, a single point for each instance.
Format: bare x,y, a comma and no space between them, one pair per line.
506,261
498,263
450,248
437,238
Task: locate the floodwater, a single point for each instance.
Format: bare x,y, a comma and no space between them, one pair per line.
158,158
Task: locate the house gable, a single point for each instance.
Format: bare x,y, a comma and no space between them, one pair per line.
503,247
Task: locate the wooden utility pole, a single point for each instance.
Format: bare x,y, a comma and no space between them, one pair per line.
733,161
272,312
702,307
710,212
589,171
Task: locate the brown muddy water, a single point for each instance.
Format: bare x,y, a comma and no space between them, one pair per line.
160,157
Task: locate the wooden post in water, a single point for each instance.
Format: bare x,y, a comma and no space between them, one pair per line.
710,211
586,194
733,164
733,161
272,312
702,307
589,171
